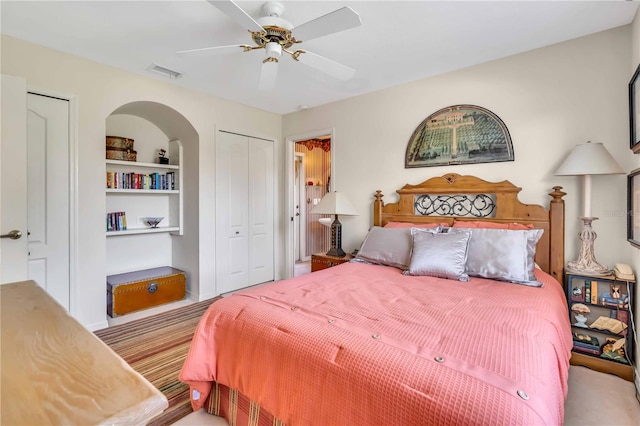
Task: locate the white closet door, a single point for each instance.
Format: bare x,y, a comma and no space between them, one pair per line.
232,194
48,194
261,192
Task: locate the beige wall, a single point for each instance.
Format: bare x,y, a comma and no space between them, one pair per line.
550,99
635,62
99,90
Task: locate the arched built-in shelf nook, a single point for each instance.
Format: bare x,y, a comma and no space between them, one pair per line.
154,126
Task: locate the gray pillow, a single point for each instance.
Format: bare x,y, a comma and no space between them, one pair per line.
503,254
388,246
439,255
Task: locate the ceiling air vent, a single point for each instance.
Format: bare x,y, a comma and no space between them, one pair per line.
164,71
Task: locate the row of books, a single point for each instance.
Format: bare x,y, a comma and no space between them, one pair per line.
589,294
120,180
116,221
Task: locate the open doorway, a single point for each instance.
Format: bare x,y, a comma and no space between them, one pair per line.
311,180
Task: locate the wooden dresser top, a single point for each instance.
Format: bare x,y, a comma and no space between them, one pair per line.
54,371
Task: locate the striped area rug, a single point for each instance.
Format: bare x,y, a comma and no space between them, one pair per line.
156,347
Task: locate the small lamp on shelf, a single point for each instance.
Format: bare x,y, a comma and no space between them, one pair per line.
335,203
585,160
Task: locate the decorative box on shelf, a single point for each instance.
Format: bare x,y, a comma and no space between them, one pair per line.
600,314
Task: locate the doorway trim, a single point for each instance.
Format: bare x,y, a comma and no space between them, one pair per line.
290,176
73,187
300,242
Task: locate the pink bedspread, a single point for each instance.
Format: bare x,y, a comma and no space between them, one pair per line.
362,344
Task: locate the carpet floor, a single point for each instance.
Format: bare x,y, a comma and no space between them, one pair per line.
156,347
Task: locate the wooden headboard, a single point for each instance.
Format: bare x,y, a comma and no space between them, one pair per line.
453,197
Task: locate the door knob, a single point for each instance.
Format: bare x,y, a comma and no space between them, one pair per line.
13,234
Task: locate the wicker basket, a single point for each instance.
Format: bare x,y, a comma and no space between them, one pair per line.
119,148
121,154
119,142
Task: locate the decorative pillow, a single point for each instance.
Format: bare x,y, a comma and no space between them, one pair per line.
439,255
388,246
491,225
503,254
413,225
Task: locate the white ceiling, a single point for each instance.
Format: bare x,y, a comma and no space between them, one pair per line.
398,42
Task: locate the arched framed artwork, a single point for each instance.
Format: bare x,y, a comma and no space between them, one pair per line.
459,134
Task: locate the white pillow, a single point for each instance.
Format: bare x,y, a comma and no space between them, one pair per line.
388,246
503,254
439,255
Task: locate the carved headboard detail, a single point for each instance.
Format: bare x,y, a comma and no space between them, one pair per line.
453,197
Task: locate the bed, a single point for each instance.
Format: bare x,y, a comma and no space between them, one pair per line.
428,343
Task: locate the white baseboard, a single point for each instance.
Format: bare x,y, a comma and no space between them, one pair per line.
97,325
205,296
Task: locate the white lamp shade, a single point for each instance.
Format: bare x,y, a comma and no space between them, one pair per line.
335,203
589,159
326,221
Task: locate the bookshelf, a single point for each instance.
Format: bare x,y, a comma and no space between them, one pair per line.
128,188
600,311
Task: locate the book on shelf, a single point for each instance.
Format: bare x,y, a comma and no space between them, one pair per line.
587,291
116,221
586,343
622,316
156,181
594,292
611,302
587,350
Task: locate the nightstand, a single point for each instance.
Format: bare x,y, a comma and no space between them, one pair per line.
600,314
321,261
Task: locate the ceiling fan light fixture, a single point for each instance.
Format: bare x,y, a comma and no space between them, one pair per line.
274,50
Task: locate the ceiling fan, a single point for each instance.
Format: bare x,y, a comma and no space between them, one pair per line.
276,35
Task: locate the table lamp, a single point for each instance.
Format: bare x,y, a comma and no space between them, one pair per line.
585,160
335,203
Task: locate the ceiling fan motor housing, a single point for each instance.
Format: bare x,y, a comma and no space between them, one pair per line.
280,35
275,28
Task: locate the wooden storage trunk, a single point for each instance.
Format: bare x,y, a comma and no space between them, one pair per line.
133,291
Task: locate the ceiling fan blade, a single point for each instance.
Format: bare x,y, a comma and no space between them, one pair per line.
211,50
326,65
236,13
333,22
268,75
